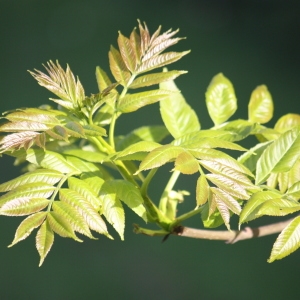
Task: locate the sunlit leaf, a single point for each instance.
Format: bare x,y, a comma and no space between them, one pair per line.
287,242
228,185
135,42
280,156
177,115
155,78
287,122
94,180
186,163
160,156
132,102
294,190
89,156
73,216
23,206
82,188
202,190
44,241
127,52
249,211
61,226
93,130
144,133
118,67
239,129
86,209
260,107
27,226
127,193
29,190
113,211
224,211
49,160
102,79
160,61
221,101
143,146
39,175
81,164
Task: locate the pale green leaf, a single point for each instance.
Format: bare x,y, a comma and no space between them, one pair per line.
239,129
83,188
44,241
23,206
155,78
186,163
132,102
114,212
159,157
73,216
228,200
127,52
94,181
60,225
287,122
202,190
58,133
249,159
287,242
160,61
93,130
230,186
213,220
50,160
249,211
294,190
277,207
224,211
27,226
135,42
81,164
29,190
177,115
260,107
118,67
127,193
144,133
220,97
143,146
90,156
280,156
102,79
40,175
23,126
75,129
86,209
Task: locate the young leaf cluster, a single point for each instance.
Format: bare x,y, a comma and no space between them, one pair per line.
78,173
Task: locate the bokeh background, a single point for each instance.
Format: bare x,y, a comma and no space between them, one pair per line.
251,42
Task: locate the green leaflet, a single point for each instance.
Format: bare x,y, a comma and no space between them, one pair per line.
71,214
61,226
250,210
287,122
294,190
143,146
132,102
211,220
249,159
155,78
145,133
127,52
239,129
186,163
84,189
28,191
202,190
94,181
177,115
48,160
220,99
280,156
27,226
89,156
118,67
260,107
93,130
160,61
160,156
102,79
40,175
23,206
80,164
127,193
44,240
287,242
113,211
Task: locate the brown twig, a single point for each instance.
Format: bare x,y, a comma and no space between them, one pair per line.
232,236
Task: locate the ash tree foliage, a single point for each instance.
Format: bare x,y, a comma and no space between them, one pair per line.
78,174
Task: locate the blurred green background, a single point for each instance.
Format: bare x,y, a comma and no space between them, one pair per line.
251,42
